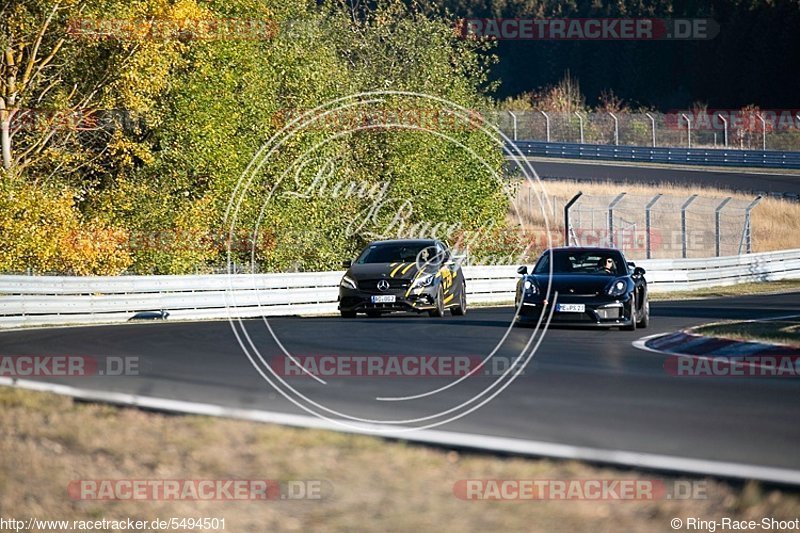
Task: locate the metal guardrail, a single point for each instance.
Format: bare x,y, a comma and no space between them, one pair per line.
45,300
680,156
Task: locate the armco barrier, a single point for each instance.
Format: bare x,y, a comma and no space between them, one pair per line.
680,156
46,300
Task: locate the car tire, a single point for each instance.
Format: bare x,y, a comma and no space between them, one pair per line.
348,314
439,310
634,318
461,308
645,320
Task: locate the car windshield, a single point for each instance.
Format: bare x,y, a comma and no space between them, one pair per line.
394,252
582,262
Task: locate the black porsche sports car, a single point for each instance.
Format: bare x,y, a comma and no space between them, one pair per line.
590,287
403,275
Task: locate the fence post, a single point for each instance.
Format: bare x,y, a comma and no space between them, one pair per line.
616,129
580,121
566,217
717,214
547,124
763,133
647,224
610,224
746,237
653,124
688,129
514,121
725,122
683,223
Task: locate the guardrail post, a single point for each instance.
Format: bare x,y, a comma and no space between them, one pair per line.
746,239
547,124
647,224
514,122
580,122
683,223
763,132
616,129
653,127
566,217
717,214
725,122
610,224
688,129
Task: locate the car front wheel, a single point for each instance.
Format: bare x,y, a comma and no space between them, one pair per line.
634,317
439,303
461,308
645,319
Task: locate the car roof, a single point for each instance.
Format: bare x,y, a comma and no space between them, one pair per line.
406,241
599,249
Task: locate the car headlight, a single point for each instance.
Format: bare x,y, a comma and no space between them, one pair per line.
618,288
349,283
423,281
530,288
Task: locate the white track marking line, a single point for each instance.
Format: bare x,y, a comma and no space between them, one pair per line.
435,437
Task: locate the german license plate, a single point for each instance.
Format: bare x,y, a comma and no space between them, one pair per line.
570,308
384,299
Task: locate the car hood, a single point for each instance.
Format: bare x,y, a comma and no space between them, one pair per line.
405,270
584,284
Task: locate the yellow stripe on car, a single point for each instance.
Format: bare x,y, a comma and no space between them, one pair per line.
396,269
446,300
406,269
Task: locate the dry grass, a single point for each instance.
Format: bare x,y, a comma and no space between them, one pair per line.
775,222
740,289
48,440
770,331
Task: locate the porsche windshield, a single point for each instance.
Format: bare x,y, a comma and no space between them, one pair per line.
395,252
582,262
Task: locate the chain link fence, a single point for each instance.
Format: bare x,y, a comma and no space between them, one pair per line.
661,226
769,130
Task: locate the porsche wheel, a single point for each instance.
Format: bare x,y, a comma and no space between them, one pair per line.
645,318
634,317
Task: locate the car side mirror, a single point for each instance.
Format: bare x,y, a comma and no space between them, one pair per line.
638,271
522,270
347,263
631,264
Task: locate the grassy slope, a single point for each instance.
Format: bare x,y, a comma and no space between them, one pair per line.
48,440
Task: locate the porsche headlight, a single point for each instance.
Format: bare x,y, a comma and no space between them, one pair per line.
618,288
530,288
349,283
423,281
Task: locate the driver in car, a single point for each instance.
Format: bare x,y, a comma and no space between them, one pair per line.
606,265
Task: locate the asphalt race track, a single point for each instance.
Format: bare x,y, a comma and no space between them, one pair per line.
748,182
584,387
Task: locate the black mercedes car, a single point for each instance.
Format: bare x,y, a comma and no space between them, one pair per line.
590,287
403,275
